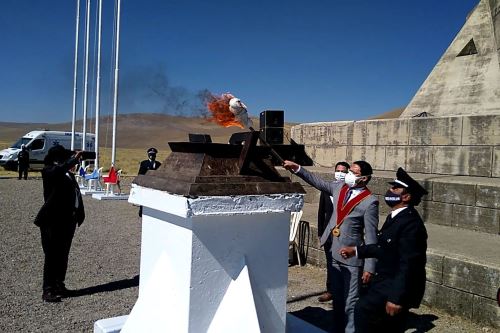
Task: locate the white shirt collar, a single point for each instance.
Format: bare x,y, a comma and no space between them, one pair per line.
397,211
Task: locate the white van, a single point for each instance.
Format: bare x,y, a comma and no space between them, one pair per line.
38,144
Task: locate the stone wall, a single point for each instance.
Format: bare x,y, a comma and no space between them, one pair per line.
462,145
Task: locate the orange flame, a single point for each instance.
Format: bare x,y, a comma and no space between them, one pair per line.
220,113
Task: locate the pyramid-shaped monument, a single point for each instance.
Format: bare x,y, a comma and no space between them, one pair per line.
466,80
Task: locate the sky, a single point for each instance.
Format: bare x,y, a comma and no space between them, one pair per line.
318,60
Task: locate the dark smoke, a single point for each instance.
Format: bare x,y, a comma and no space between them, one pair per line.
148,89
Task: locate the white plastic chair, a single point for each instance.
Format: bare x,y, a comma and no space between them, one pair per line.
111,180
80,175
93,179
294,227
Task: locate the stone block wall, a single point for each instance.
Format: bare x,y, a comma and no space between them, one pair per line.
463,288
462,145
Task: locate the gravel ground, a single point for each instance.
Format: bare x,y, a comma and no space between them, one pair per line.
103,271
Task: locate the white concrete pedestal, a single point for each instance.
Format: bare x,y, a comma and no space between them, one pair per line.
212,264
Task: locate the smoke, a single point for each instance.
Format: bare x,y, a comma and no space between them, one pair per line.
148,89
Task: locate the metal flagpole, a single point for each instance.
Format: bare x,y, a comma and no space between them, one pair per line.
85,91
98,86
115,99
75,82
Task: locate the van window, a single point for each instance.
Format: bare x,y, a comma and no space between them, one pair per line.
21,141
37,144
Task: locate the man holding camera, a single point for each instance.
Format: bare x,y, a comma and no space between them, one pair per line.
61,212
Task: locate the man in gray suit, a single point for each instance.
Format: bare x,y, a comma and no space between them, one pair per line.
354,222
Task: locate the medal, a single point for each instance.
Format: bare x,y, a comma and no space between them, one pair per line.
336,232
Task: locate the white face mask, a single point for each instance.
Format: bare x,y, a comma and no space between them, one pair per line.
351,179
339,175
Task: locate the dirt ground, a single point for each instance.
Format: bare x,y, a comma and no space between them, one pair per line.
104,267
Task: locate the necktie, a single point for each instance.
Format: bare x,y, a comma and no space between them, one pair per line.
347,196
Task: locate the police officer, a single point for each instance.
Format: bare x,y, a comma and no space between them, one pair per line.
23,161
150,164
399,283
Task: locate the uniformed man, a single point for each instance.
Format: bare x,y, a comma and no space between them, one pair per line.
150,164
399,282
23,162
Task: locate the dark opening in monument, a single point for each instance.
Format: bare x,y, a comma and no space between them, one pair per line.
468,49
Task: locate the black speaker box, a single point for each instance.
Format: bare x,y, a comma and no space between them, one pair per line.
272,118
272,135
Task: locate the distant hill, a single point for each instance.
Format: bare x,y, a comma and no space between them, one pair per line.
143,130
138,130
395,113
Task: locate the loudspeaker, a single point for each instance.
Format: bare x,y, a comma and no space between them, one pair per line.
272,118
272,135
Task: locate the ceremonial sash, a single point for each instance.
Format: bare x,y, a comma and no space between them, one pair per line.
344,208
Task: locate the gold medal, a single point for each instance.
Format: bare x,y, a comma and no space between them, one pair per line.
336,232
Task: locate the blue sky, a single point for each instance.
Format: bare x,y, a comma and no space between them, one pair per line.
321,60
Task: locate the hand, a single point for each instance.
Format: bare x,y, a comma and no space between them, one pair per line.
347,252
78,154
366,277
290,166
392,309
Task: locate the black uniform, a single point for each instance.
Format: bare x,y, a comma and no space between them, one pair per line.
400,273
62,211
23,161
149,164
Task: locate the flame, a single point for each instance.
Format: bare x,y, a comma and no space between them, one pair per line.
220,113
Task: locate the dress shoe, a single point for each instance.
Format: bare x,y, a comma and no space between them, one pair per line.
325,297
61,291
50,296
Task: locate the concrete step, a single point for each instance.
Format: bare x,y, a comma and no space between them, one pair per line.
463,268
464,202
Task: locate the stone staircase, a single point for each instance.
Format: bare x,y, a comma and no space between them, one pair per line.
462,216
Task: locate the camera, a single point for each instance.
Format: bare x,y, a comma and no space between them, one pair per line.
86,155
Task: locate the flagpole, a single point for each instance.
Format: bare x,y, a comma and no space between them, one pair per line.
85,91
115,98
75,81
98,86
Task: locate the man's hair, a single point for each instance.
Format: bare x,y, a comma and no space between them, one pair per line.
345,164
366,170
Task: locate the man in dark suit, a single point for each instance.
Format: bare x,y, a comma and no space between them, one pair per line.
399,283
150,164
23,162
61,212
354,222
325,211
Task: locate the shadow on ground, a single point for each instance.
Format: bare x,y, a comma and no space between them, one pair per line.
110,286
323,319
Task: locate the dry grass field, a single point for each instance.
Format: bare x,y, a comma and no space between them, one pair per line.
135,134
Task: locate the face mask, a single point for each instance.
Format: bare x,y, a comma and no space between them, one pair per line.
351,179
392,199
339,175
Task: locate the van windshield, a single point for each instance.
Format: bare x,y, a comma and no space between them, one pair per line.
21,141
